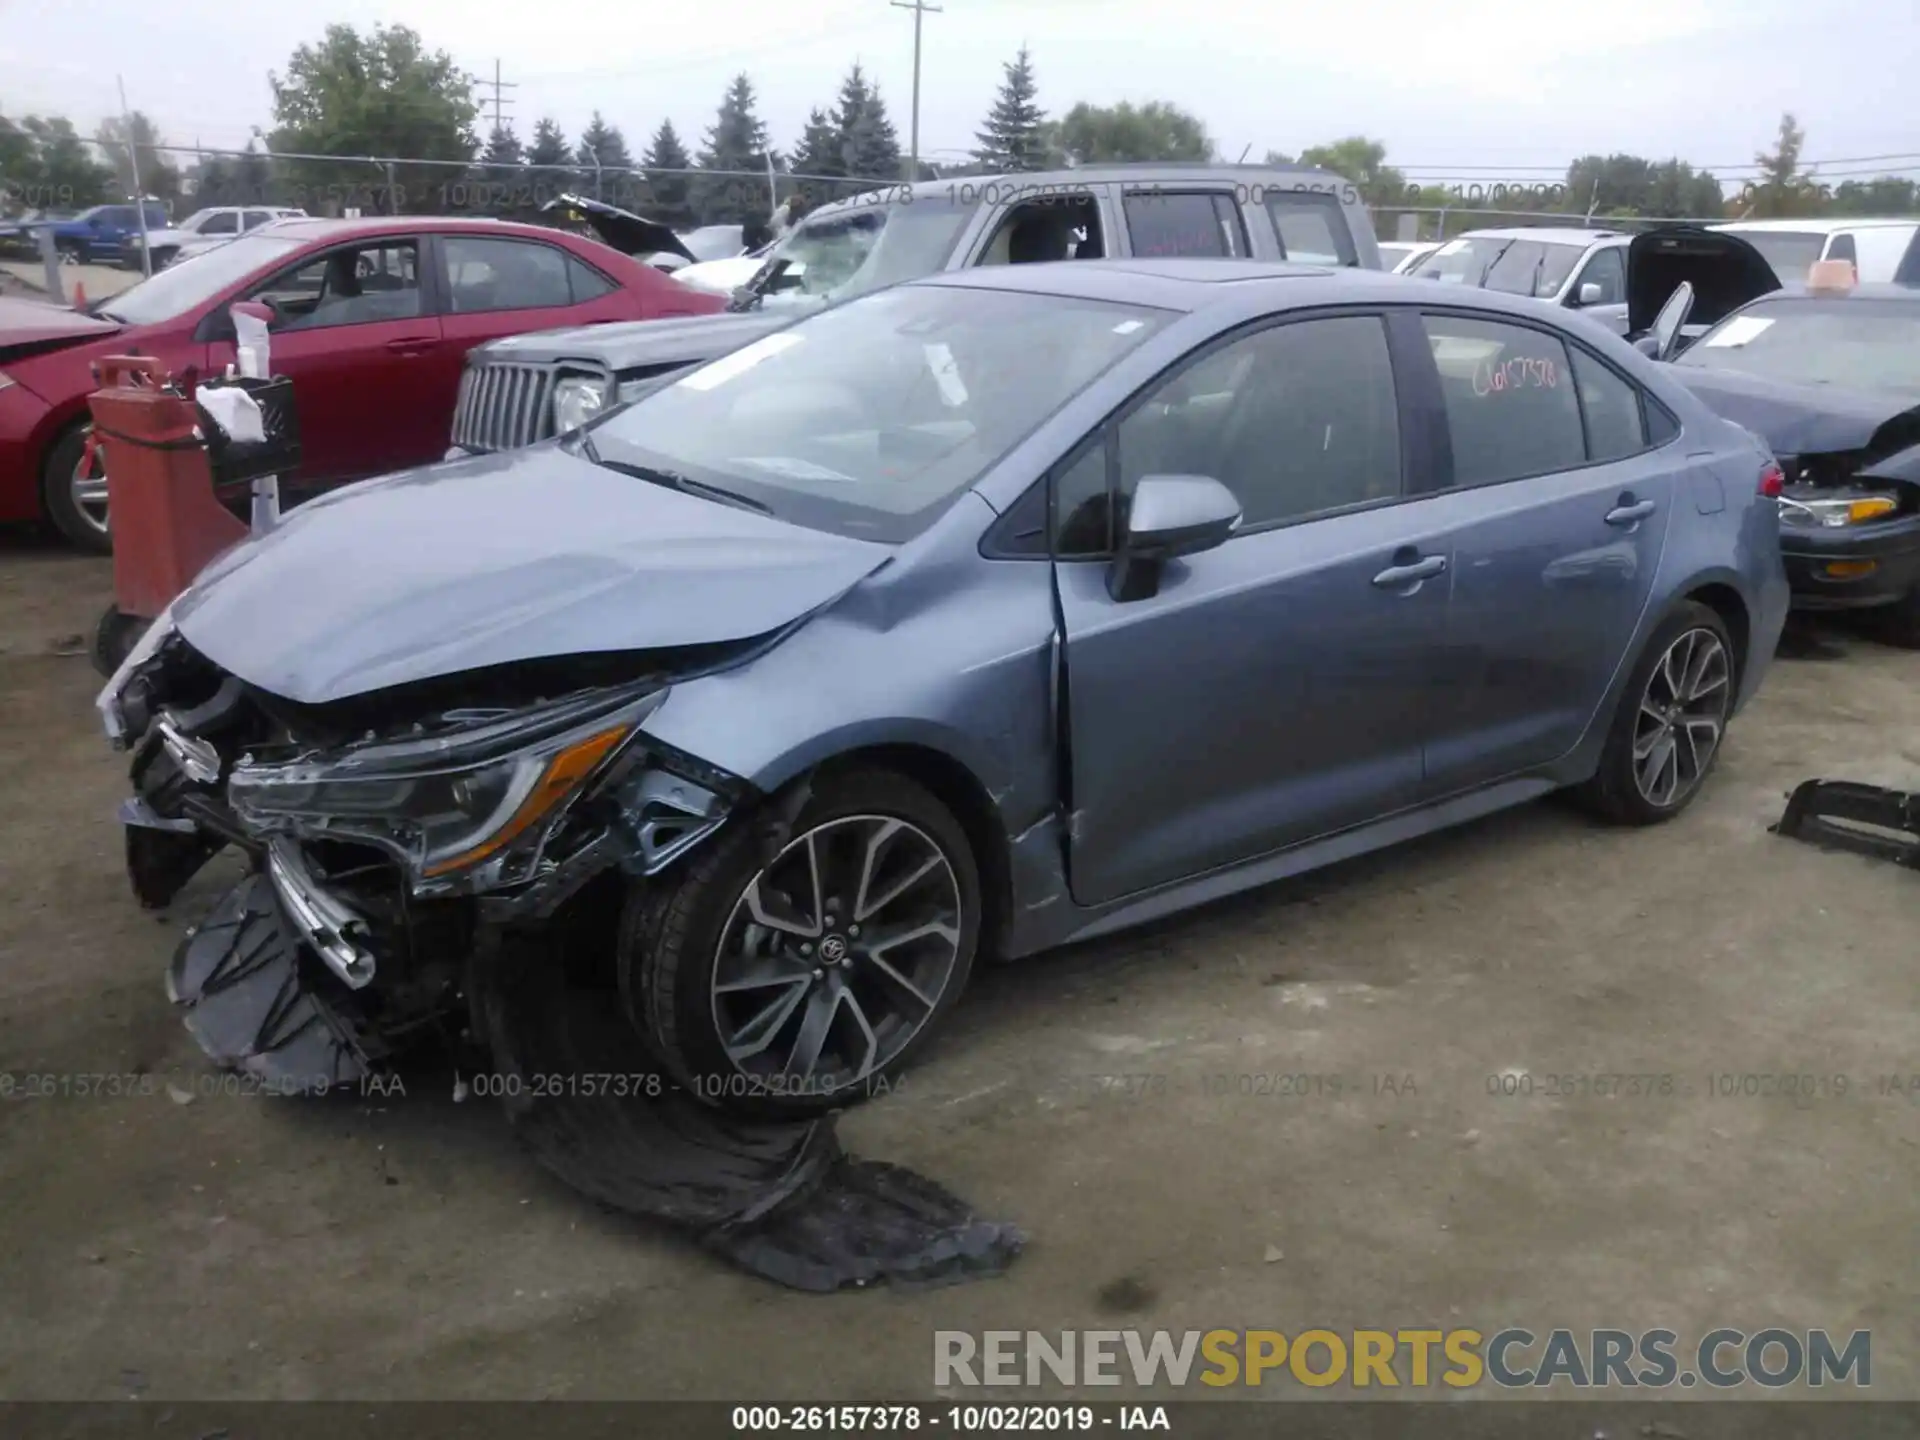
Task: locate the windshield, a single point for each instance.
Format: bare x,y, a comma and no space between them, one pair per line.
868,418
1789,252
851,252
187,284
1463,261
1533,267
1855,344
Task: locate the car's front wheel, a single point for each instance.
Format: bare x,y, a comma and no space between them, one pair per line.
73,490
793,982
1671,721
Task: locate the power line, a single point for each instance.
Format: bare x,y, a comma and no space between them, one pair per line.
498,86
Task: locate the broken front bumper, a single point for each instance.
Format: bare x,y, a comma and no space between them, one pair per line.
1852,567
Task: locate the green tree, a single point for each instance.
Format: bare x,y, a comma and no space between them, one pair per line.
1014,137
1606,183
1157,130
1364,162
1882,195
735,156
254,179
602,149
378,94
68,177
134,140
1677,191
548,161
1782,189
819,150
666,163
869,147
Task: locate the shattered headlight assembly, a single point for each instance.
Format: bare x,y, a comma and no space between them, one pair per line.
578,399
1834,509
466,810
113,714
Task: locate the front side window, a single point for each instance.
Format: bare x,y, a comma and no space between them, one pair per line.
354,285
868,418
1511,401
225,223
1053,228
486,274
1609,271
1296,419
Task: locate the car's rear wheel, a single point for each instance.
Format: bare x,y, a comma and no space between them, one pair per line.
794,983
73,491
1672,718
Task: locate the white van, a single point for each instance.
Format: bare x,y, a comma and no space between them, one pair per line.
1880,250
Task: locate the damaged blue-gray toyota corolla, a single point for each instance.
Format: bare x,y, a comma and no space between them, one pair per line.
716,739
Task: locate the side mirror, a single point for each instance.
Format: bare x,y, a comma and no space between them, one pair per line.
1590,292
1171,516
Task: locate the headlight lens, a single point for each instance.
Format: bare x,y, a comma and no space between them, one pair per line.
576,400
1833,509
480,800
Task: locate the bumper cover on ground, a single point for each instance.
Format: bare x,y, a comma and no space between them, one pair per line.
778,1198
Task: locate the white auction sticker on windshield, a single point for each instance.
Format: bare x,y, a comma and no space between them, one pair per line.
740,361
1738,331
946,372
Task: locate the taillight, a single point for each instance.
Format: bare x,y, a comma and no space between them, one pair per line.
1772,482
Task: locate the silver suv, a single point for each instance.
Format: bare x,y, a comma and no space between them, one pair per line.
1581,269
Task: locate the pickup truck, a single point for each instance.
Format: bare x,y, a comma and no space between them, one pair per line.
901,232
97,234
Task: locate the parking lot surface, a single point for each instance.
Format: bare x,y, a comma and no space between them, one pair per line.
1379,1096
98,280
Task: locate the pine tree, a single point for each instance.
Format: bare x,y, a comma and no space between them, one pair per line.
672,193
869,147
819,152
737,142
548,161
1014,137
603,148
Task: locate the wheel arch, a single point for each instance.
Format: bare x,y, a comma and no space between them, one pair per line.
1724,598
951,780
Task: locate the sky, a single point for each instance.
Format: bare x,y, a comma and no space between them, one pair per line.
1460,91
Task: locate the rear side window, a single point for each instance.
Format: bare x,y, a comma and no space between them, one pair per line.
488,274
1615,425
1192,224
586,282
1312,228
1511,400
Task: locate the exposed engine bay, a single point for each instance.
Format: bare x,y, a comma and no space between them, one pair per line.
447,864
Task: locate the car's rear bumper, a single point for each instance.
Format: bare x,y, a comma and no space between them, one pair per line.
1891,550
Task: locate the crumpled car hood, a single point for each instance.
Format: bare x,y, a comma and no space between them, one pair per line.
519,556
1795,419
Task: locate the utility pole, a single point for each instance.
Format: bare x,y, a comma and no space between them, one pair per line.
498,86
133,164
919,8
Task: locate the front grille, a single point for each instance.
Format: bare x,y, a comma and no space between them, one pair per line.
503,407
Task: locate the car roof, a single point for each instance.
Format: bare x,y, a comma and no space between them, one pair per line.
1191,285
314,227
1552,234
1815,227
1040,182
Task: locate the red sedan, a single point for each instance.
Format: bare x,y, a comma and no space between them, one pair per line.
374,319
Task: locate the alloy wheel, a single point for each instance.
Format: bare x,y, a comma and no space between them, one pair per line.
89,484
1683,714
837,953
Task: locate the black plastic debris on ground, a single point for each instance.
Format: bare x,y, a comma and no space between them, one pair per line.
778,1198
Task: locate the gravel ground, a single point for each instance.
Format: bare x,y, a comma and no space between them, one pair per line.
237,1247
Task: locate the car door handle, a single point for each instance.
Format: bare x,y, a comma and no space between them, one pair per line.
412,345
1630,514
1395,576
